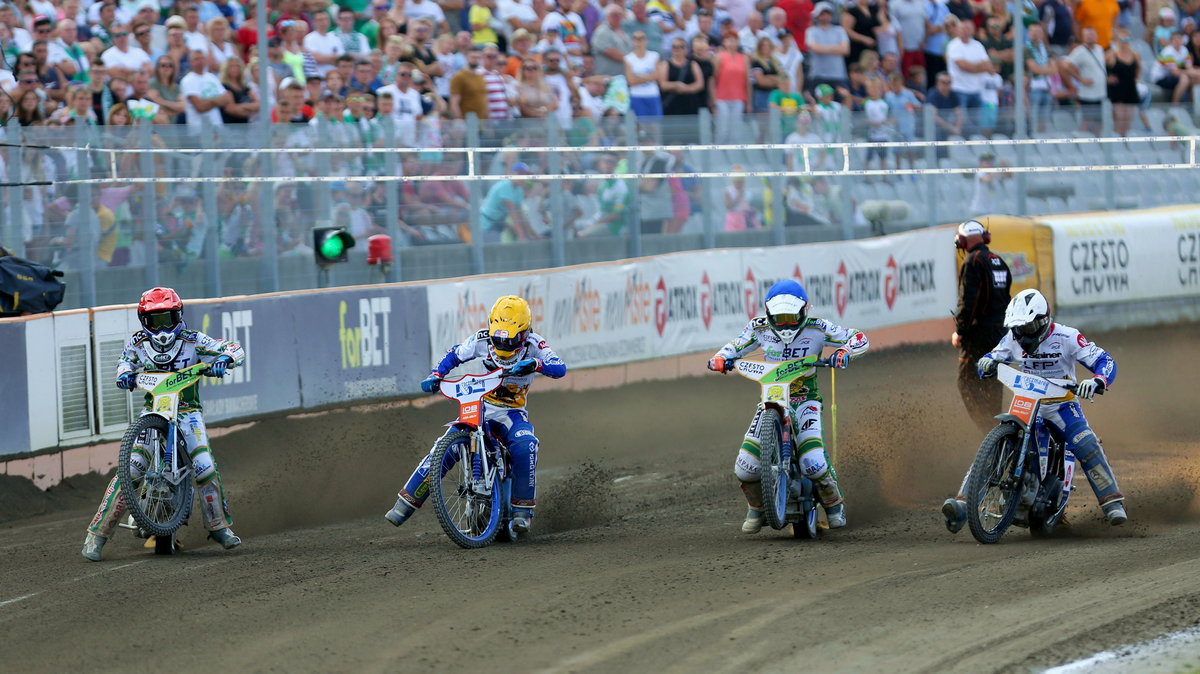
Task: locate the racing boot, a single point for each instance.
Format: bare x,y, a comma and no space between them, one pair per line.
400,512
754,521
1114,513
836,515
92,546
521,520
226,538
955,512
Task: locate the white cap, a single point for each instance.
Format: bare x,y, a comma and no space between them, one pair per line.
971,228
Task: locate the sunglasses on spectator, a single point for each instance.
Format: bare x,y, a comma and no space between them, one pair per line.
42,29
28,81
121,34
142,33
403,74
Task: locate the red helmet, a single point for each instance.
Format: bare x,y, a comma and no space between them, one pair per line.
160,311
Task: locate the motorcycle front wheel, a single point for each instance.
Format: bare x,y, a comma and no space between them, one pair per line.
993,493
161,500
774,470
468,511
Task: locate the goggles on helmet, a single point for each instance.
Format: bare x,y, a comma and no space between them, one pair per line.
1032,328
787,321
160,321
505,343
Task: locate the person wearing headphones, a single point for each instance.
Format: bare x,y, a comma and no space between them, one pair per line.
984,284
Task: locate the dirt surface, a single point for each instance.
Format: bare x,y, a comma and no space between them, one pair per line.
638,563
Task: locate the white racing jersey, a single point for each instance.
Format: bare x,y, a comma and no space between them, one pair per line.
513,391
1056,356
190,347
816,334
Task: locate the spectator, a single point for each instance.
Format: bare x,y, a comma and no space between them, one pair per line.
534,97
407,107
777,30
751,33
829,115
640,20
203,94
1085,64
968,64
732,91
220,47
293,52
143,37
29,104
861,22
787,102
323,46
54,82
681,82
656,208
364,79
947,112
764,75
999,47
427,9
80,112
1098,15
1059,23
500,216
468,91
354,43
703,56
641,72
1171,68
290,107
496,85
123,58
878,130
551,41
67,54
613,197
480,19
791,61
118,115
562,83
799,18
423,58
706,28
739,216
803,135
244,98
887,35
1040,66
1124,72
1165,28
193,34
610,43
903,105
909,18
936,37
519,49
177,49
828,45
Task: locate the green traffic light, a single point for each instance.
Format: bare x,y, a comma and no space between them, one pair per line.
332,247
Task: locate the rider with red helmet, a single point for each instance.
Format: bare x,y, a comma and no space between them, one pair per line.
164,344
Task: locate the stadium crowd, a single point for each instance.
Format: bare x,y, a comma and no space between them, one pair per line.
407,73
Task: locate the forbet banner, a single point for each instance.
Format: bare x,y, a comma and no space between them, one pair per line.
1105,258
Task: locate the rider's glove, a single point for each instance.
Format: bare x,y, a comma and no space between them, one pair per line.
986,367
127,381
431,383
1088,389
524,367
720,364
217,367
840,358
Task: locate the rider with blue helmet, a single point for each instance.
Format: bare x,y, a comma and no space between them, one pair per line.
788,332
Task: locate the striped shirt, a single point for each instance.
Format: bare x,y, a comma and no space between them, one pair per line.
497,95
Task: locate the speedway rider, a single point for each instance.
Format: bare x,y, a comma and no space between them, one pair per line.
1036,345
164,344
509,343
787,332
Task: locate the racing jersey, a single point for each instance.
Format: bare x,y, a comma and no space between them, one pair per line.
194,347
816,334
1056,356
513,391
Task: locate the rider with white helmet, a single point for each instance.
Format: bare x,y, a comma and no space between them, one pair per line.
164,344
788,332
1037,345
508,342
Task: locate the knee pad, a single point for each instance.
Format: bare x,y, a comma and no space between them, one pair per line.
813,464
747,467
203,466
1083,443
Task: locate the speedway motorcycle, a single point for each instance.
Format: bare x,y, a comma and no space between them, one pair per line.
472,498
788,496
1021,475
160,500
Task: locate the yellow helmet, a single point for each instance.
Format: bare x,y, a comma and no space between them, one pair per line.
508,326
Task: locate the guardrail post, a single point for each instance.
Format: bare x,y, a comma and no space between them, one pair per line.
212,218
87,222
475,192
267,221
558,220
634,159
709,195
1110,177
931,161
14,239
778,183
149,206
391,205
844,183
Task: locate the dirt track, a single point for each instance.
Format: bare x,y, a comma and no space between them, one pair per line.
648,573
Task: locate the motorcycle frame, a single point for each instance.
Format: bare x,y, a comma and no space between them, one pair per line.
1025,413
485,452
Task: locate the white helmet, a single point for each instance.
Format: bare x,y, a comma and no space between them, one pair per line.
787,309
1028,316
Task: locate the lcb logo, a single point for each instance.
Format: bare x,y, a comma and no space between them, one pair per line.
368,343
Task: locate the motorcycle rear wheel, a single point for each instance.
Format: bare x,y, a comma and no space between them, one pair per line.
775,473
992,493
158,506
471,519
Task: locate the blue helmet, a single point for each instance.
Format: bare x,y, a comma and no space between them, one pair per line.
787,309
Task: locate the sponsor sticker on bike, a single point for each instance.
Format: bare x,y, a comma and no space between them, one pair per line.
1021,408
776,394
162,404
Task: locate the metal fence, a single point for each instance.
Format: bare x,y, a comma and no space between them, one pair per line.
230,210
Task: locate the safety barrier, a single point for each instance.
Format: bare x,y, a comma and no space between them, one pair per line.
318,349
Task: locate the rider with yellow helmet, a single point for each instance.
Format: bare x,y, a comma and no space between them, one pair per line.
508,342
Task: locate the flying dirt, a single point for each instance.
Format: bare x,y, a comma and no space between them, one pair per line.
637,562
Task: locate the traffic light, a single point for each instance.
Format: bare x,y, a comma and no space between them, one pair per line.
330,244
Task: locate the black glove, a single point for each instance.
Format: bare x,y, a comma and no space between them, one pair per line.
127,381
217,367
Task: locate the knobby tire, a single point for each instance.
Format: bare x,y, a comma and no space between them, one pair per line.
995,463
180,494
459,439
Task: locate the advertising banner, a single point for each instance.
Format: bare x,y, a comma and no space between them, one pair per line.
1105,258
357,344
14,394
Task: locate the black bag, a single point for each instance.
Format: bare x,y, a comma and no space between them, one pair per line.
28,287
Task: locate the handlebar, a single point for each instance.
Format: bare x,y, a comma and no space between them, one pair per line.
820,362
